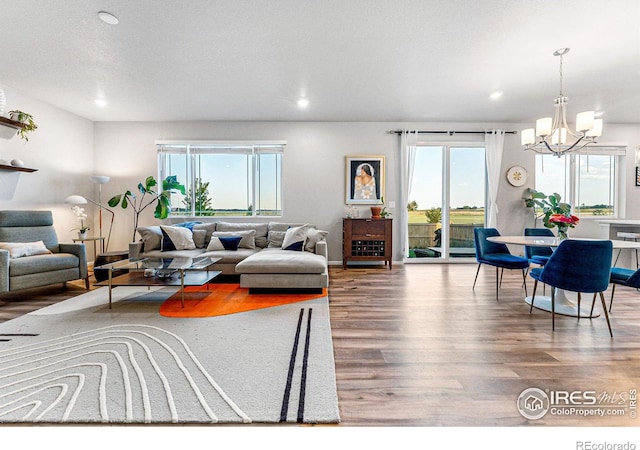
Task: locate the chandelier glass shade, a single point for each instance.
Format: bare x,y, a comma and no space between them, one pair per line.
552,135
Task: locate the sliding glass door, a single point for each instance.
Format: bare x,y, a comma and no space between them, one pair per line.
446,201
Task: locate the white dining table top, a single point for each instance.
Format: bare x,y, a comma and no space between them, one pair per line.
548,241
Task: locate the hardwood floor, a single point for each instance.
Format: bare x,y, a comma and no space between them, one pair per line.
416,346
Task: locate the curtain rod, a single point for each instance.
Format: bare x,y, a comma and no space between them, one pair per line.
450,133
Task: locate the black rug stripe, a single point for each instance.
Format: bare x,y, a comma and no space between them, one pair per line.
15,335
303,382
292,362
18,334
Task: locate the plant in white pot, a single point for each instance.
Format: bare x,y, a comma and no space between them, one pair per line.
28,124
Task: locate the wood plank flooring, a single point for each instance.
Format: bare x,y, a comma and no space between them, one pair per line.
416,346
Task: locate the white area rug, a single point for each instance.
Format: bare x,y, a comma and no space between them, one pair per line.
79,362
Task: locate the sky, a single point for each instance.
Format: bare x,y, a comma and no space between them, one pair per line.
467,169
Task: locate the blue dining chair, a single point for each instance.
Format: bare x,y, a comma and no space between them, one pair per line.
576,266
497,255
625,277
538,255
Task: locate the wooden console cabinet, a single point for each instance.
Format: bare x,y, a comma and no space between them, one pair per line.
366,240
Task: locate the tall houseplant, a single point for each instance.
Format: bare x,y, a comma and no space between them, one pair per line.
162,199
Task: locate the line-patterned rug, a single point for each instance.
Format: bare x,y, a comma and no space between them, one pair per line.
79,362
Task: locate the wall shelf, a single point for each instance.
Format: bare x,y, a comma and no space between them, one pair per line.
16,168
9,128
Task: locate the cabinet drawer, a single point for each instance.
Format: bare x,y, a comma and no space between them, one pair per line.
367,228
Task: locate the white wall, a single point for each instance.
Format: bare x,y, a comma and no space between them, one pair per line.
314,166
67,149
62,151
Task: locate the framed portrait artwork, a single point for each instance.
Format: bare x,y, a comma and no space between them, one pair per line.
364,179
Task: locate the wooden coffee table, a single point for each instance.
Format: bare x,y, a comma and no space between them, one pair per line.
160,272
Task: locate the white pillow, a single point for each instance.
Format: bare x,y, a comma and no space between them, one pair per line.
177,238
295,238
20,249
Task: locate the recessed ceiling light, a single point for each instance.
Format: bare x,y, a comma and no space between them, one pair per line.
303,103
101,102
496,95
108,18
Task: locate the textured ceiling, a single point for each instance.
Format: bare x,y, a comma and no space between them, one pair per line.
355,60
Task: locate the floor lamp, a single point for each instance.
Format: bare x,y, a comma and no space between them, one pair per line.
80,200
100,180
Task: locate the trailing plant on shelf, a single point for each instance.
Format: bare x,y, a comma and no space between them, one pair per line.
149,197
28,124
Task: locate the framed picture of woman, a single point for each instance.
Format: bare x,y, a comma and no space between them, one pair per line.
365,179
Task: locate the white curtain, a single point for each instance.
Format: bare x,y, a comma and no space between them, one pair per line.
494,145
407,161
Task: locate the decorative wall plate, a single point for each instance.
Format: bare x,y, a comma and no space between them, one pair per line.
517,175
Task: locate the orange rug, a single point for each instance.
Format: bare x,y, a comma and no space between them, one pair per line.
223,299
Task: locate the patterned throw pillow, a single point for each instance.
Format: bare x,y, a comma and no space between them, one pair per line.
224,243
295,238
176,238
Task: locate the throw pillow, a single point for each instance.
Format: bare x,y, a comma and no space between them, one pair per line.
214,244
188,225
200,238
20,249
248,237
313,236
176,238
294,238
275,238
230,242
151,237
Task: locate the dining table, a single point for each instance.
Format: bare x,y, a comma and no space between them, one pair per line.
565,303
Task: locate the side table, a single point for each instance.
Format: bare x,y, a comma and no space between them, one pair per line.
95,240
106,258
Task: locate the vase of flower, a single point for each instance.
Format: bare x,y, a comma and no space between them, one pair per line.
563,222
81,216
562,232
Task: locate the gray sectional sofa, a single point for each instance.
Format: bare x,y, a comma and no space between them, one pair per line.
259,259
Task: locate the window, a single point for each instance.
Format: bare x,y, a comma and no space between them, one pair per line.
587,181
446,201
224,179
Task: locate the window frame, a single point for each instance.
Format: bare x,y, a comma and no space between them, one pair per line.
191,149
572,178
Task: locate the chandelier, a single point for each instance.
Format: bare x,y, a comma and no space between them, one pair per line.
553,135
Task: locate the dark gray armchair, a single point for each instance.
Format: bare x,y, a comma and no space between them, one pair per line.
66,262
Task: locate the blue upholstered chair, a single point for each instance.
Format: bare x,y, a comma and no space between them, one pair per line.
625,277
577,266
538,255
497,255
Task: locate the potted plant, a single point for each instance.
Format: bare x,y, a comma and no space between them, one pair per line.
555,213
28,124
162,199
81,216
